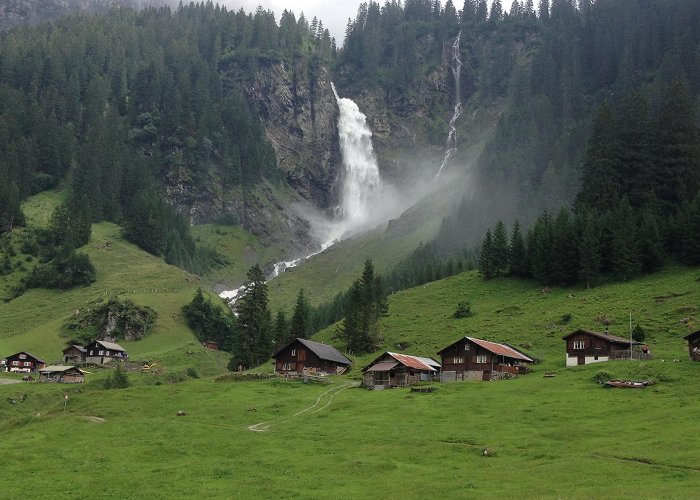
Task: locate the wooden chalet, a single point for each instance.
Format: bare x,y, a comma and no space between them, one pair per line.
23,362
584,347
476,359
210,344
399,370
74,354
61,374
304,356
102,352
693,345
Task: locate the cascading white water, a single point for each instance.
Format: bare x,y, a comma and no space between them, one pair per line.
359,194
456,67
361,180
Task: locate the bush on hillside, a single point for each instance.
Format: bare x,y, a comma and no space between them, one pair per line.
464,310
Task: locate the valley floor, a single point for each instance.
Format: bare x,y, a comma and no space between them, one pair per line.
559,437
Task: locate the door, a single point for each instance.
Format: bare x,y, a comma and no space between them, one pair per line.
582,360
300,360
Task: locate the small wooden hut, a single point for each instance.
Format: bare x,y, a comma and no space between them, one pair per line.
61,374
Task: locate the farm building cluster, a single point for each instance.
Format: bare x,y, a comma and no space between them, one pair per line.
467,358
97,352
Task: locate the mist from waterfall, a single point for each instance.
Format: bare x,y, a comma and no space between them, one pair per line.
361,184
456,67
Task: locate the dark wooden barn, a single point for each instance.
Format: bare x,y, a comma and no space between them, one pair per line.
74,354
694,345
584,347
102,352
23,362
398,370
61,374
475,359
306,356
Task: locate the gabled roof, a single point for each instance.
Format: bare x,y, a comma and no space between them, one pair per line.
112,346
323,351
605,336
495,348
416,362
57,368
36,358
692,336
76,346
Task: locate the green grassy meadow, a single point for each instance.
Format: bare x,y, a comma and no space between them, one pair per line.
561,437
547,437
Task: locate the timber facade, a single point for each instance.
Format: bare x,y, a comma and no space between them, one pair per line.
102,352
74,354
584,347
693,345
306,356
61,374
476,359
23,362
399,370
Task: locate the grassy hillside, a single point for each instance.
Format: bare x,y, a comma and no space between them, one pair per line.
32,321
518,312
560,437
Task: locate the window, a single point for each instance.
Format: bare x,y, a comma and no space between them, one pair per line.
106,353
101,353
15,363
458,360
92,352
27,363
294,352
482,358
466,347
579,344
22,356
287,366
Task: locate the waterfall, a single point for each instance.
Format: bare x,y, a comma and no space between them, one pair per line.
359,194
456,67
361,183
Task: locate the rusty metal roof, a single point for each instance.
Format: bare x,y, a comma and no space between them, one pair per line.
416,362
383,366
605,336
501,349
495,348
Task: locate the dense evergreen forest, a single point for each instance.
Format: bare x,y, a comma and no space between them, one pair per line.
117,107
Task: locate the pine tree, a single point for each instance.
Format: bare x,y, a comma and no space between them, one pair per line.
281,329
254,320
588,248
651,247
625,249
300,326
486,267
518,252
500,250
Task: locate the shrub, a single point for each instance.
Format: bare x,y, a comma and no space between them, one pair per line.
192,373
602,376
464,310
118,379
638,334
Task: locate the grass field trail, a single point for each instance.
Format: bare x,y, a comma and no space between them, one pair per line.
325,399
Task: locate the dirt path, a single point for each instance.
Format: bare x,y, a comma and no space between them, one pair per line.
8,381
322,402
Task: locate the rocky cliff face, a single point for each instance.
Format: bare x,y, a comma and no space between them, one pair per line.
13,12
300,114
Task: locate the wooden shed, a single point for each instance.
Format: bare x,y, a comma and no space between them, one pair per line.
693,345
399,370
584,347
475,359
74,354
23,362
102,352
61,374
301,355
